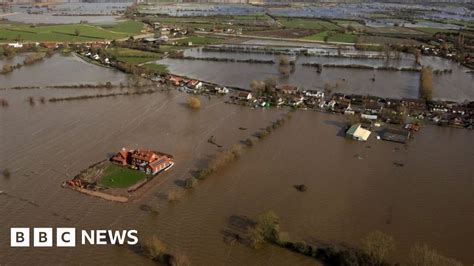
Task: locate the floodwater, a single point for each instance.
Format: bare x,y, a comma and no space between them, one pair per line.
64,13
456,86
60,70
353,188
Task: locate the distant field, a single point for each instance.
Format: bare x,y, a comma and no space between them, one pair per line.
393,30
134,56
200,40
129,26
120,177
67,32
333,37
303,23
156,67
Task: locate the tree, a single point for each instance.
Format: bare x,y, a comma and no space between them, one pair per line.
7,68
194,102
423,255
257,87
426,83
77,32
378,246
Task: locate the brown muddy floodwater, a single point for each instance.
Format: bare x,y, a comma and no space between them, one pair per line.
456,86
353,188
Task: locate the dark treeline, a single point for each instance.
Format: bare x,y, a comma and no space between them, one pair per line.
84,97
252,50
385,68
231,60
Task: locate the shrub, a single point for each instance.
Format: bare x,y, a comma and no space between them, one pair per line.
194,102
7,68
378,246
174,195
155,248
179,259
4,103
423,255
249,142
190,182
6,173
31,100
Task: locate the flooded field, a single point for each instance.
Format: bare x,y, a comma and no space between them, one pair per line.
59,70
353,188
70,12
394,84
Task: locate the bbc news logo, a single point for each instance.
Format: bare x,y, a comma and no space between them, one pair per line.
66,237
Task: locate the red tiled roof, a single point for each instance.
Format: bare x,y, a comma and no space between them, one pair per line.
147,156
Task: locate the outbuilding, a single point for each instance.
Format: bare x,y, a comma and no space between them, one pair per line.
357,132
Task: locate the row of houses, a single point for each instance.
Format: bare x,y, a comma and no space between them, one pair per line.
368,107
194,86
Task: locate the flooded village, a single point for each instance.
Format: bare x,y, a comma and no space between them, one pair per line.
173,119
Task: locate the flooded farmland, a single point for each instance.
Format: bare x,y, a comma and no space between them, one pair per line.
353,188
455,86
70,12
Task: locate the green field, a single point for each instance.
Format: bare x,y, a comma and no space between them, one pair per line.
333,37
156,67
133,56
311,24
67,32
120,177
200,40
129,26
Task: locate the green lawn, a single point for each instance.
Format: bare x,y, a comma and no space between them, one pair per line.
120,177
156,67
67,32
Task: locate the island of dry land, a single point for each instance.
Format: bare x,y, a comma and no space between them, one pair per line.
120,177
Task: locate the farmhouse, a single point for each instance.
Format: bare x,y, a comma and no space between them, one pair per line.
147,161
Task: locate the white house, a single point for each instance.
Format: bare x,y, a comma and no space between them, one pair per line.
15,45
245,96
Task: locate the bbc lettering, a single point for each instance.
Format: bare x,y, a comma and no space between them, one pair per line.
66,237
42,237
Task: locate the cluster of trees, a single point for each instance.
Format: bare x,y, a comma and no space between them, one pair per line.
375,249
156,250
266,87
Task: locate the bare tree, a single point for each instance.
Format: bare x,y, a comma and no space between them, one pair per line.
423,255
